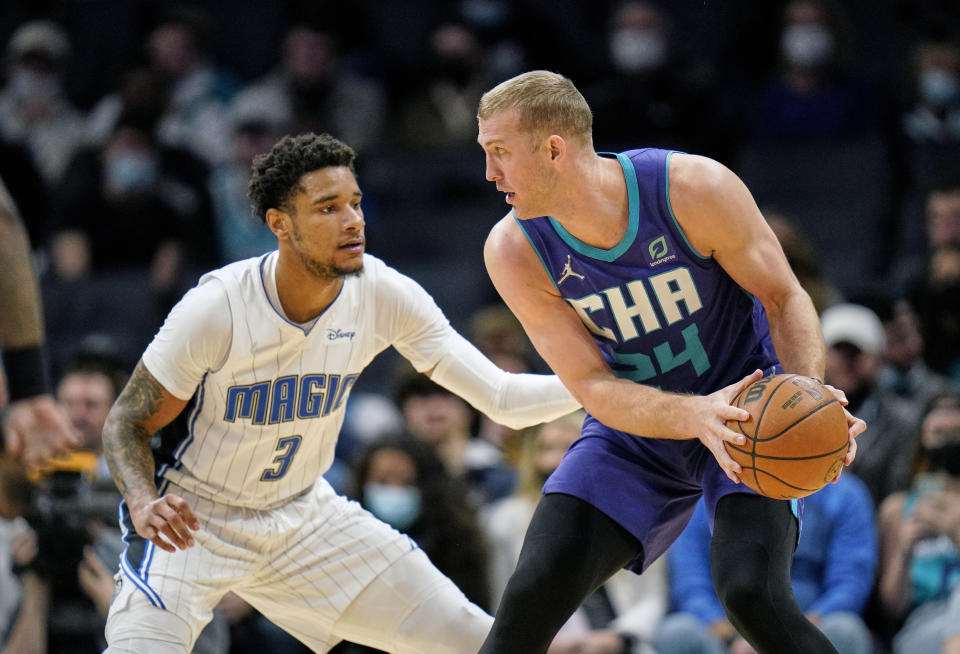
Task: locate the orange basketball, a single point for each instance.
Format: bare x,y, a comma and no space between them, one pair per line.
796,436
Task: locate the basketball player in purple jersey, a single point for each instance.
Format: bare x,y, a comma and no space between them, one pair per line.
649,281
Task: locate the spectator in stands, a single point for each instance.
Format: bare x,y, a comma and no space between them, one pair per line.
25,185
649,94
904,372
197,92
832,573
937,298
34,108
935,115
621,615
86,391
440,110
402,482
941,229
240,234
141,91
812,96
803,260
498,334
314,91
180,86
920,539
132,204
933,280
444,422
854,337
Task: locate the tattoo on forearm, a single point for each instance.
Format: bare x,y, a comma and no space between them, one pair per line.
126,440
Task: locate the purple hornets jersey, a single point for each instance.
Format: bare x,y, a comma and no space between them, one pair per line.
665,316
661,313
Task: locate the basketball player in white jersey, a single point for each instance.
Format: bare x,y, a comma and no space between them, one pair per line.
269,349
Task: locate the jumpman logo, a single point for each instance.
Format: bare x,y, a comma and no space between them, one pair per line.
568,272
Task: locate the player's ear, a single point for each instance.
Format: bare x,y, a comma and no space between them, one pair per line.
278,222
557,146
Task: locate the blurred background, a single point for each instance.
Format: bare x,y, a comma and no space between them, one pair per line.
127,128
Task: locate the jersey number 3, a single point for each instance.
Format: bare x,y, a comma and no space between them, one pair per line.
287,447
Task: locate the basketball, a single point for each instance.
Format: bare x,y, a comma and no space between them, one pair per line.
796,436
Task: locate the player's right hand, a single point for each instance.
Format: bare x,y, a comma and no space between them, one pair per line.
711,413
166,522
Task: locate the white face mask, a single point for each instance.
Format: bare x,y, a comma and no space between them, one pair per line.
35,86
939,87
806,45
637,51
398,506
127,173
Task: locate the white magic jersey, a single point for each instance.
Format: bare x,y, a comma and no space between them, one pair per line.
270,394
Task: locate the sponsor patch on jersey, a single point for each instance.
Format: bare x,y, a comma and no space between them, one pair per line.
657,251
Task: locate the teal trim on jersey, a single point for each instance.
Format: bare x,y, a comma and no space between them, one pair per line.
666,193
539,256
633,221
795,509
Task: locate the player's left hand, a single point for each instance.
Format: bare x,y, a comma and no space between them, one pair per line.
37,429
855,427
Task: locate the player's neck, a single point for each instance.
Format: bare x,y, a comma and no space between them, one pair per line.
598,210
304,296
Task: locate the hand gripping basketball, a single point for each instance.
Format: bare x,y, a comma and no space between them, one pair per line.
797,436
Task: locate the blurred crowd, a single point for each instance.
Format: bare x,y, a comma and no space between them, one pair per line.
126,135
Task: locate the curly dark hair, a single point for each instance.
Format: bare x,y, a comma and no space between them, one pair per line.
276,174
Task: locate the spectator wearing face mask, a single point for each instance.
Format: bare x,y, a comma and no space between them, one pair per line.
935,114
812,96
132,204
649,93
920,540
444,422
34,108
404,484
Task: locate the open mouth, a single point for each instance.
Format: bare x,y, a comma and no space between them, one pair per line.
352,246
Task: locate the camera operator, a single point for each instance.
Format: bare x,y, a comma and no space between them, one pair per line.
74,511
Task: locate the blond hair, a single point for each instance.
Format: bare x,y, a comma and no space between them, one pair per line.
528,477
547,103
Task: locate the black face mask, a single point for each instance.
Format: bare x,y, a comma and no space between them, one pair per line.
946,457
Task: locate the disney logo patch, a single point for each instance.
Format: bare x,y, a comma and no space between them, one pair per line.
338,334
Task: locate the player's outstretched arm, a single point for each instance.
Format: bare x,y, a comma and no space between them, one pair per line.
516,400
33,429
143,408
